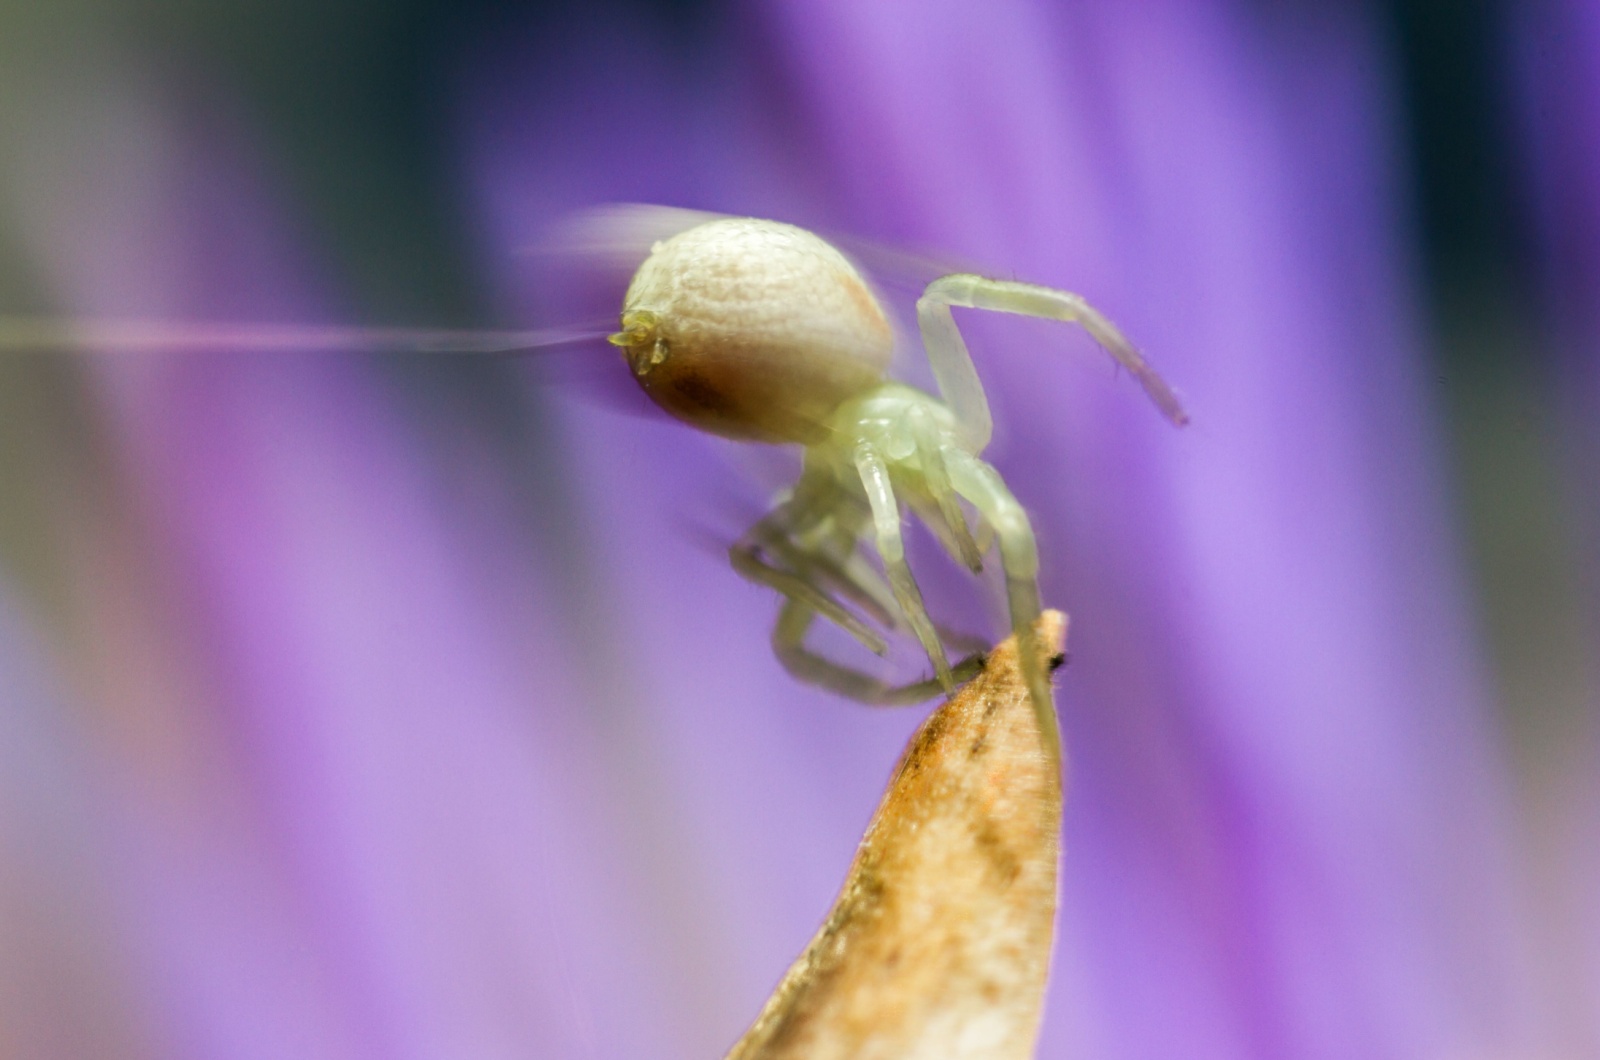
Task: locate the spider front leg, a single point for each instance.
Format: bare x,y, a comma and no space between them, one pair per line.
952,364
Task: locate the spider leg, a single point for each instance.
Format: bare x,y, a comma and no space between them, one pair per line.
874,593
859,573
833,551
984,536
788,643
786,550
746,560
952,364
931,444
891,546
1019,556
827,548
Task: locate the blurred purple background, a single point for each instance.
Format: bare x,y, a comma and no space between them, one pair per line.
403,707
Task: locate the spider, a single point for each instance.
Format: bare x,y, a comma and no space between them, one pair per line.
762,331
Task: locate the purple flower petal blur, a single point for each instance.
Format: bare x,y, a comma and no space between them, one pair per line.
358,842
406,722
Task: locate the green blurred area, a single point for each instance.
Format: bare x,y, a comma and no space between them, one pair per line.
1498,380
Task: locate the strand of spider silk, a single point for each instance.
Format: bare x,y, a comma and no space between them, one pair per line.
57,335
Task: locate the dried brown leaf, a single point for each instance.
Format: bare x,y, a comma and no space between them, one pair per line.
939,944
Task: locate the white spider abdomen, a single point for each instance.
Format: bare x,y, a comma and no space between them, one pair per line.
753,329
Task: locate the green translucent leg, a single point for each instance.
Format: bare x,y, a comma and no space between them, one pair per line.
886,520
1019,556
956,536
788,644
789,550
798,586
859,573
826,550
952,364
